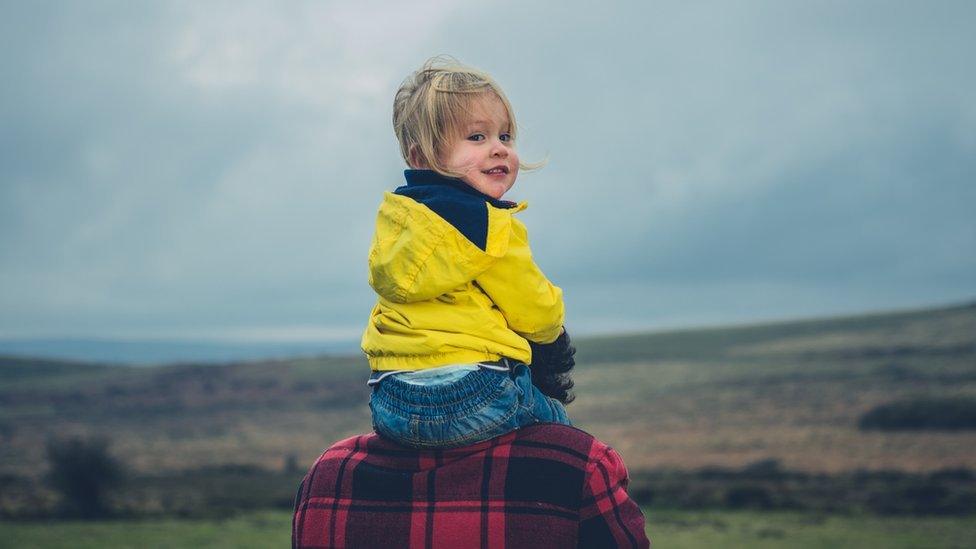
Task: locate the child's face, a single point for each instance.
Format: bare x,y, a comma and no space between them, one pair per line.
484,151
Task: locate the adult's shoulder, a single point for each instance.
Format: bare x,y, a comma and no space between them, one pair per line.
542,442
360,445
562,439
560,443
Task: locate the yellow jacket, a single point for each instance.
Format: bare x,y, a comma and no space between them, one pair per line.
455,279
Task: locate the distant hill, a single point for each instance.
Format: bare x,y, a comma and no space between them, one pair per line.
153,352
883,332
789,391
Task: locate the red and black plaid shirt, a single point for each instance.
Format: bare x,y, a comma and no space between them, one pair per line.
547,485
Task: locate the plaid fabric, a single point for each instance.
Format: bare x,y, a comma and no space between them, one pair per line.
546,485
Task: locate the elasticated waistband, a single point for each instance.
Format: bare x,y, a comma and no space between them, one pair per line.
469,392
504,364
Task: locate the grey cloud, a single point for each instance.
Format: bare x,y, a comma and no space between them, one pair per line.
185,167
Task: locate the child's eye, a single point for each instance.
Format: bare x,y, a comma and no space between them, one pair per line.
476,137
506,137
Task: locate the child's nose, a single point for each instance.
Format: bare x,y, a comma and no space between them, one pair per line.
499,149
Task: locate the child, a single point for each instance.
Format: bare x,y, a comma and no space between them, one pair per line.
462,308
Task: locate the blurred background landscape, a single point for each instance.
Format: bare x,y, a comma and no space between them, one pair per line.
853,419
761,215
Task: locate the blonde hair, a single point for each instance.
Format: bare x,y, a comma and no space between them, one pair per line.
434,102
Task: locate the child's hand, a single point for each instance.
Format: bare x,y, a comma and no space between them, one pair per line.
556,357
551,363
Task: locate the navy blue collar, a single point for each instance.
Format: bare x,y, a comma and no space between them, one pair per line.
430,177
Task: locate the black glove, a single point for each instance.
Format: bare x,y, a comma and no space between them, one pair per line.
551,363
556,357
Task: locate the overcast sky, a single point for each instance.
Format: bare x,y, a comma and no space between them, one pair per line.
212,170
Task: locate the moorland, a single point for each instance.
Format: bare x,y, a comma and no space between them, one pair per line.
764,416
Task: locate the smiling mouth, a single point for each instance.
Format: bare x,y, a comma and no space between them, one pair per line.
497,170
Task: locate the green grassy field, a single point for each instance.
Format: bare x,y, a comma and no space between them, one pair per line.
671,529
252,530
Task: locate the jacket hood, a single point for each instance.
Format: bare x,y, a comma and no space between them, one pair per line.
436,234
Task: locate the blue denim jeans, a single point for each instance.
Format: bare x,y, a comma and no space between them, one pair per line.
479,406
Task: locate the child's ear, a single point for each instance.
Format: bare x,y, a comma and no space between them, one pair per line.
417,160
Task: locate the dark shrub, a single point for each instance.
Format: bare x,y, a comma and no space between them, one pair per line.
291,464
957,474
84,472
936,414
642,495
764,468
752,497
918,499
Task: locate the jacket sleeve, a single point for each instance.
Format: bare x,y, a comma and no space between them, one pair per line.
608,517
532,306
